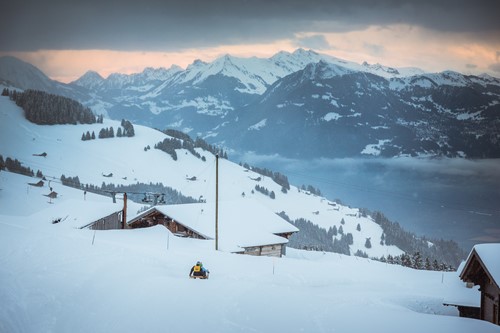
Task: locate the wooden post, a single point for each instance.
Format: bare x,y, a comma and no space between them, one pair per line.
124,215
216,202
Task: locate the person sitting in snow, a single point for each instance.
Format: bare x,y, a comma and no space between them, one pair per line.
198,271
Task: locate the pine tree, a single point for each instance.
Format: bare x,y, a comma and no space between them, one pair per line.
390,259
417,261
334,230
93,135
119,132
350,239
427,264
368,243
83,136
358,227
341,230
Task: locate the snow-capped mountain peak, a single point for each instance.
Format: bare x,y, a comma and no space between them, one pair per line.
24,75
90,80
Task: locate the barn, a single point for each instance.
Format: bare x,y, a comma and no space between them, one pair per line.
482,268
83,214
244,226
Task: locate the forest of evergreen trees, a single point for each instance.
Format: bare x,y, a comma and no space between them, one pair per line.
265,191
277,177
127,131
139,191
180,140
311,189
315,238
48,109
135,192
13,165
446,251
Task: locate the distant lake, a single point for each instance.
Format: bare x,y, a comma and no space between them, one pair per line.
453,199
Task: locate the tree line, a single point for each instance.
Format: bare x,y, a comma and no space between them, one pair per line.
446,251
127,131
48,109
277,177
14,165
312,237
180,140
265,191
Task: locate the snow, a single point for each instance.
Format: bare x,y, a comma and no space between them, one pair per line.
332,116
56,279
489,254
374,149
258,125
459,294
59,278
242,223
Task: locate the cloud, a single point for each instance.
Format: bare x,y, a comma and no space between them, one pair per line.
316,42
374,49
495,67
159,25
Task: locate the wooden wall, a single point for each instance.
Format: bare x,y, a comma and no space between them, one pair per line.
155,218
265,250
489,303
112,221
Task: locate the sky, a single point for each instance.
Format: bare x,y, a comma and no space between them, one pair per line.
67,38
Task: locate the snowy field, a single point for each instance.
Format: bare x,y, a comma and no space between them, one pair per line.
58,278
53,279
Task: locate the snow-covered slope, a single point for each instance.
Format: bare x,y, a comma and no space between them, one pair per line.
130,163
57,278
24,75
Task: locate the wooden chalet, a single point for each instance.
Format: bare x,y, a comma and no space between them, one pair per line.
159,215
483,268
245,226
109,222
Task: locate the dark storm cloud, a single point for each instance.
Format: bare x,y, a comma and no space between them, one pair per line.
165,25
316,42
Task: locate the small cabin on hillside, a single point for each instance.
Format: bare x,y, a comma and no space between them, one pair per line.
483,268
161,215
108,222
244,226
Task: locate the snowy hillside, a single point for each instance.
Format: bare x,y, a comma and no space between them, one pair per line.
129,162
56,278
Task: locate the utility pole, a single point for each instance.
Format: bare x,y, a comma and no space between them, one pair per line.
216,202
124,215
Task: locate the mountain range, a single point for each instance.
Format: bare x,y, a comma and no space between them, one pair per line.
306,104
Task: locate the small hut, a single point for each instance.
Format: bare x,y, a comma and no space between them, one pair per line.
482,268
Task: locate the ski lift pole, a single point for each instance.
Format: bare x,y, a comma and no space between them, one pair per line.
216,202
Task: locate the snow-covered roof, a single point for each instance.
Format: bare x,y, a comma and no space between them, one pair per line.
489,255
76,213
241,223
458,294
